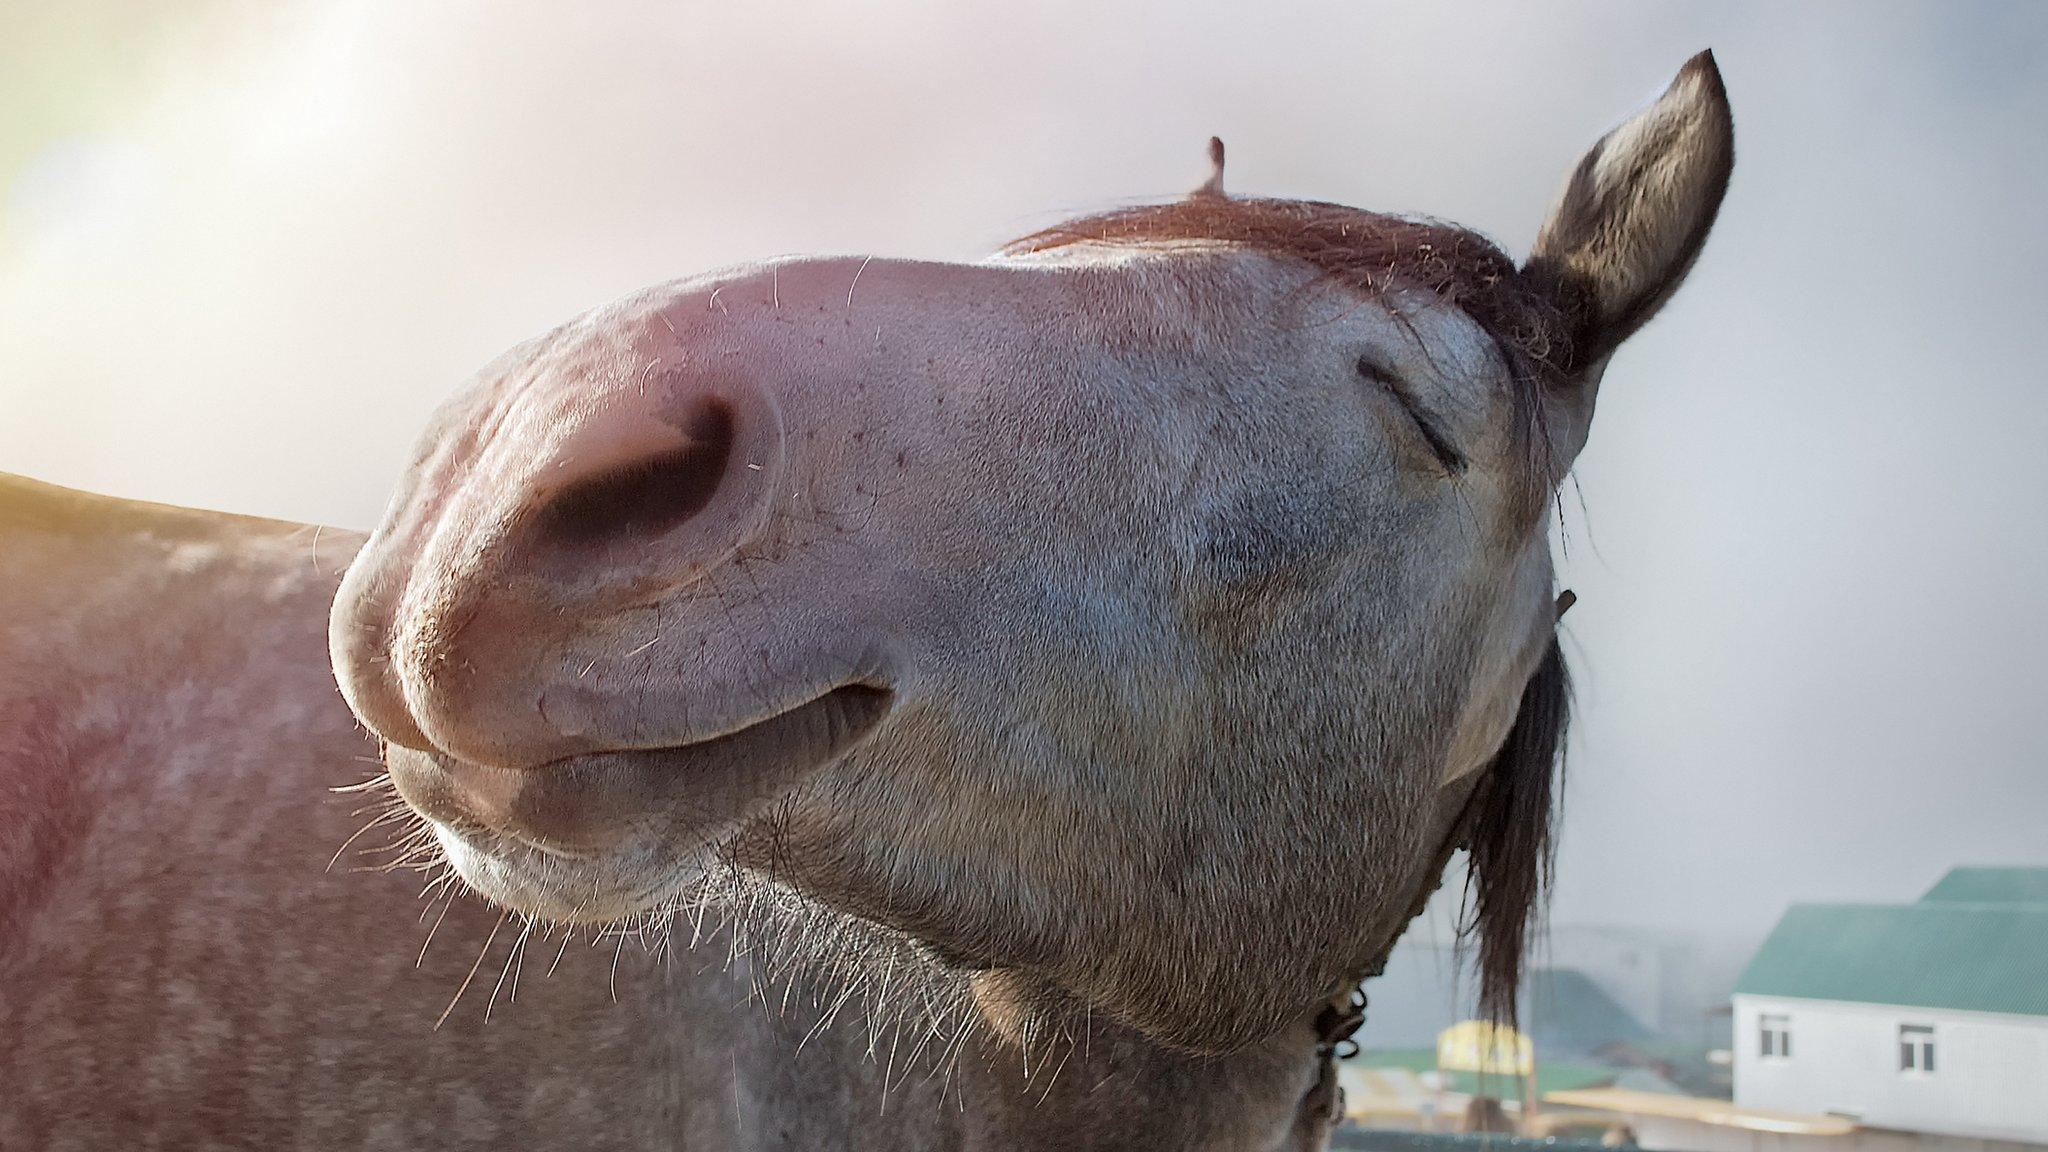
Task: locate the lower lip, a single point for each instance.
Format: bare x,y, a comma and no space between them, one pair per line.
696,792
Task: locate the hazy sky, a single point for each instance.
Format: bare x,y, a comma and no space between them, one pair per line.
244,250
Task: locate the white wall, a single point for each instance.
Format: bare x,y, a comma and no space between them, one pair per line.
1664,1134
1990,1078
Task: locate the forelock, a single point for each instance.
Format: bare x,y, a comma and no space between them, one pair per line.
1369,252
1375,253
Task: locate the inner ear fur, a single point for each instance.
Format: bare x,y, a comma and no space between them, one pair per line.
1636,210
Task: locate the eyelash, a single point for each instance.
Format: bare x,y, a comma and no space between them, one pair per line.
1446,453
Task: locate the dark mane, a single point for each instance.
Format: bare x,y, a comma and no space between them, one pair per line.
1373,252
1511,849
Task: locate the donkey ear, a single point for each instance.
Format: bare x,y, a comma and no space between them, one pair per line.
1636,210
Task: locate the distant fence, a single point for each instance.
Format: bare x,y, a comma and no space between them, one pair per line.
1393,1140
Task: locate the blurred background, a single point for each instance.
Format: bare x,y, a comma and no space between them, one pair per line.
245,248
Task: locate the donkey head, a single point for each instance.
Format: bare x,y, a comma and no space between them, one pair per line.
1126,616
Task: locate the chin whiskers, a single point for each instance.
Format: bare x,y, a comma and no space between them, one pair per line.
481,953
799,960
411,844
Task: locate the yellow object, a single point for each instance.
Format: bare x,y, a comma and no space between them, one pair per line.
1485,1047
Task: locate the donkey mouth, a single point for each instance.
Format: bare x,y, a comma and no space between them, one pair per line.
679,798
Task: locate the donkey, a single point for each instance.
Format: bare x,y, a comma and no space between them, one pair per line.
1084,661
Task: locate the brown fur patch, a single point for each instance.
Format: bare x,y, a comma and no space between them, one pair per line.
42,814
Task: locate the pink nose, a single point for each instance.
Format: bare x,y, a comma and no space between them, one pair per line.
442,631
656,486
643,483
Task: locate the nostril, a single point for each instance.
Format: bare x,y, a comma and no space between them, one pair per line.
653,494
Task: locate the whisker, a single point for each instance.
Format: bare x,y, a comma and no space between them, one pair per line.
485,950
566,936
384,819
511,959
445,905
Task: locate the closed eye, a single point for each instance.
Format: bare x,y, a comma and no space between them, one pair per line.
1440,445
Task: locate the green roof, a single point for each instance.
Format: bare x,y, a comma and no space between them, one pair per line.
1567,1013
1991,886
1975,957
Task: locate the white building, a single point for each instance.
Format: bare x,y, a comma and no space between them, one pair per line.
1916,1018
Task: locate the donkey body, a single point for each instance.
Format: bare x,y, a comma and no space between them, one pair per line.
181,968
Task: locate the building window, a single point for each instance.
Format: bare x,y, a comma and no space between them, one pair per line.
1774,1036
1916,1048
